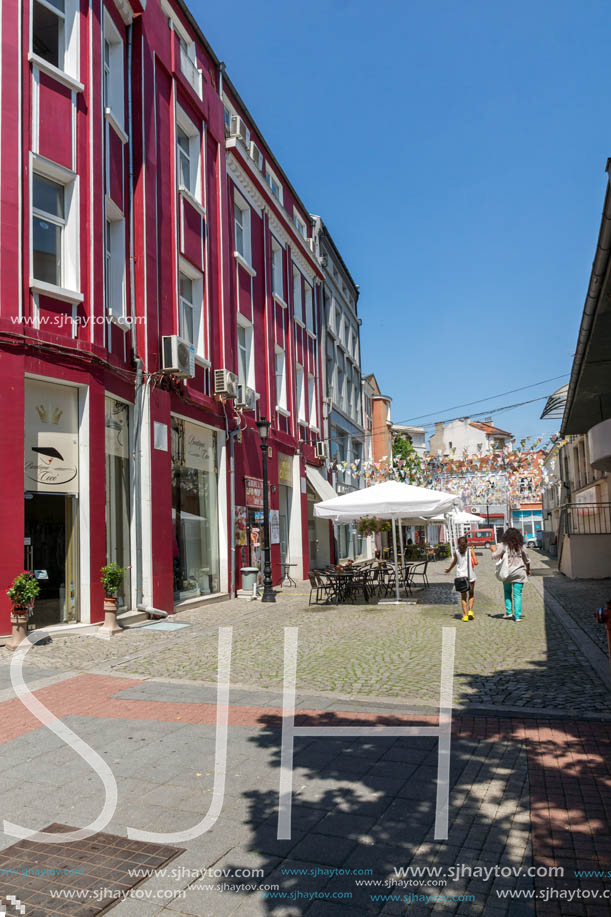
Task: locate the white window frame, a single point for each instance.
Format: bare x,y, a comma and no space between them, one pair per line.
277,268
241,207
68,288
309,306
68,49
274,184
297,294
312,406
114,264
247,327
197,290
190,130
280,374
299,224
113,73
300,394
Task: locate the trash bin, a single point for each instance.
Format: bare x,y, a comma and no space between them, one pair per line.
250,576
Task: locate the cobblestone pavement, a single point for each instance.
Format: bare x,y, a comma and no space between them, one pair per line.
526,797
376,651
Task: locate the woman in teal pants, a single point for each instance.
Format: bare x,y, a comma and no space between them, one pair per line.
518,569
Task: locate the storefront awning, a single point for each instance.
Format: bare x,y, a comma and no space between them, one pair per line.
320,485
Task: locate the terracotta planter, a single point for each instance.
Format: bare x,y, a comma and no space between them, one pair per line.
110,626
19,626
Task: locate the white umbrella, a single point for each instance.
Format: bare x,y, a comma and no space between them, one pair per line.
389,500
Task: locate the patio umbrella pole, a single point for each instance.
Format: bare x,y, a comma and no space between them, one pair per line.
394,545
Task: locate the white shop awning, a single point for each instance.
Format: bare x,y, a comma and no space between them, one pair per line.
320,485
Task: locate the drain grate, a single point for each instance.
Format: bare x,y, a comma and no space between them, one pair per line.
86,877
165,625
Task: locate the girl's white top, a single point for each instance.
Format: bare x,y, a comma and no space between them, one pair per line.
464,566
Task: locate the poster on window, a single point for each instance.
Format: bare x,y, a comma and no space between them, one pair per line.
241,518
274,526
51,438
117,429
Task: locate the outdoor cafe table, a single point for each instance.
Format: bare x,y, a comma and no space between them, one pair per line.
343,582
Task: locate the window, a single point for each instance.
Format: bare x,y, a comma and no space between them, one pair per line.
297,304
48,31
348,396
114,263
277,273
299,224
244,351
274,183
280,378
48,225
312,401
330,369
340,383
301,414
186,307
309,312
188,155
241,221
191,307
54,230
188,64
113,71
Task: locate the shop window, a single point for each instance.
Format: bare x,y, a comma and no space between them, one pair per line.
117,492
194,511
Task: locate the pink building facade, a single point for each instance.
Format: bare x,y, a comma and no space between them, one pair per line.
158,293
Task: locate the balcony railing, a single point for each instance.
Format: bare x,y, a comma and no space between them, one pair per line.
190,72
586,519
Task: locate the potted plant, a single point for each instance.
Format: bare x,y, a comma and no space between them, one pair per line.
111,578
22,595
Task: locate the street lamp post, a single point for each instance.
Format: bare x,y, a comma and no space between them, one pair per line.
268,592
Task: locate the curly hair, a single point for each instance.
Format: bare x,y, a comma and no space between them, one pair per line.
513,539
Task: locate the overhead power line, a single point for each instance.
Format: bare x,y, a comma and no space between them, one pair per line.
469,404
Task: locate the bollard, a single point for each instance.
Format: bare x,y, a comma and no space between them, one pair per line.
603,616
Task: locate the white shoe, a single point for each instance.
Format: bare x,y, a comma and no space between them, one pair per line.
508,617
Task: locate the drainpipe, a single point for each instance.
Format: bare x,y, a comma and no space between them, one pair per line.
132,297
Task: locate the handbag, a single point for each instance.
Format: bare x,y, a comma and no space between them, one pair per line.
462,583
502,567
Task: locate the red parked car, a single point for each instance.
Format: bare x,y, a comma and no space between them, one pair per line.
481,536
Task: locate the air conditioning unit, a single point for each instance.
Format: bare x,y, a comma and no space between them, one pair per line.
178,356
225,383
321,449
256,155
238,129
246,398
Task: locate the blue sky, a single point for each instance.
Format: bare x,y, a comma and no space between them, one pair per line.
456,151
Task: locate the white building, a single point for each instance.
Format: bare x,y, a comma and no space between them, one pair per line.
342,391
470,436
415,435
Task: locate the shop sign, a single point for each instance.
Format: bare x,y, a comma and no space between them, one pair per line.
51,438
285,469
198,447
274,526
253,488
